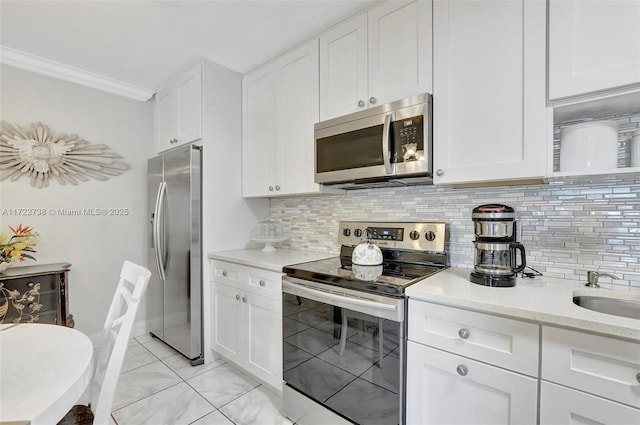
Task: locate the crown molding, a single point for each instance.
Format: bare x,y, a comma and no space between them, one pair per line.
29,62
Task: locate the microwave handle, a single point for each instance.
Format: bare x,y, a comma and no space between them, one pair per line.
386,149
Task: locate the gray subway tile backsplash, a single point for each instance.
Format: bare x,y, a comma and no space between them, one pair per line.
568,226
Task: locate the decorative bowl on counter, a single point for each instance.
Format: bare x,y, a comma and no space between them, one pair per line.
269,233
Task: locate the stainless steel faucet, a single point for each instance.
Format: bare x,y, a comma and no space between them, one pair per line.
592,278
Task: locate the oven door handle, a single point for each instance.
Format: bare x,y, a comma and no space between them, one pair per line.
301,287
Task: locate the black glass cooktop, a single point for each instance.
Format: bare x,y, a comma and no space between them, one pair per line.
390,278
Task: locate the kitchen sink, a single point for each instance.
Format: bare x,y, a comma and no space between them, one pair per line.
609,305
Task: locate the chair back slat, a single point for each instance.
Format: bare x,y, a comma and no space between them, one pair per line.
115,339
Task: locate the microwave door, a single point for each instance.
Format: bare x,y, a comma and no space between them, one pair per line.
359,149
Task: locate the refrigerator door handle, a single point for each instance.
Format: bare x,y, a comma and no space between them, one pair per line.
158,241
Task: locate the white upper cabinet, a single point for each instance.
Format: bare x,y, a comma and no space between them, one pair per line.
376,57
343,68
259,128
299,111
594,45
179,110
400,50
490,114
280,107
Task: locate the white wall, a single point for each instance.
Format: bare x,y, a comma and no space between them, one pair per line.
95,246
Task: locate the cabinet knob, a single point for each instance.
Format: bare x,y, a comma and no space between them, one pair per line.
464,333
262,283
271,188
244,299
237,297
277,187
440,172
172,141
361,103
638,377
372,100
462,370
224,274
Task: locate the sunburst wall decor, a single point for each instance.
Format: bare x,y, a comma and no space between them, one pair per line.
39,154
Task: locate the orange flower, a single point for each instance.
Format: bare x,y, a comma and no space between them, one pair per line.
21,230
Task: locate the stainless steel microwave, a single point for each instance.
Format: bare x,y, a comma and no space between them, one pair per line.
390,144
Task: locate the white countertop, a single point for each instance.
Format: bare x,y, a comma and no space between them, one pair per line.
269,260
542,299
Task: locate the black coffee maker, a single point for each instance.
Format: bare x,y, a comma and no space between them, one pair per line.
496,246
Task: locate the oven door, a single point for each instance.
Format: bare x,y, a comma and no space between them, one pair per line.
343,355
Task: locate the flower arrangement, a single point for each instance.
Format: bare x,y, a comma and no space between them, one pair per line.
19,246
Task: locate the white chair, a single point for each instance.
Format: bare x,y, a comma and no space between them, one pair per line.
113,346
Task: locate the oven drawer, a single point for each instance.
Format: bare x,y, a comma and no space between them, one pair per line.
507,343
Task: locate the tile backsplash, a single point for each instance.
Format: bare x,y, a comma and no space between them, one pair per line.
568,226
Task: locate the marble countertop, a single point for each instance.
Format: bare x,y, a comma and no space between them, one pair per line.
541,299
269,260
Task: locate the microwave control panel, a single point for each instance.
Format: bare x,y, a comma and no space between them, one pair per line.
409,139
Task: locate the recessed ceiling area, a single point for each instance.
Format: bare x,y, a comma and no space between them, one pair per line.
144,43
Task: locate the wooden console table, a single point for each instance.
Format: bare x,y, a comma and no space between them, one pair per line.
35,294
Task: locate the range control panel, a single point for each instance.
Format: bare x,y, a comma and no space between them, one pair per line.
418,236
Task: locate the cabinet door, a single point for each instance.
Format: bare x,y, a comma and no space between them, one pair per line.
443,388
400,50
263,318
489,82
226,330
593,46
179,111
259,115
343,68
299,110
190,106
565,406
166,119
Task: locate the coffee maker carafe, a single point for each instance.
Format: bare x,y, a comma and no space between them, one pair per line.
496,246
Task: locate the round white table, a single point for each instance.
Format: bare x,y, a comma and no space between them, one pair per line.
44,370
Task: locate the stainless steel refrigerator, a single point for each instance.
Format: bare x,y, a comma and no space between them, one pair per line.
175,249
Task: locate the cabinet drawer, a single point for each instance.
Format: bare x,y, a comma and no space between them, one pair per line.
263,282
503,342
565,406
229,273
600,365
24,284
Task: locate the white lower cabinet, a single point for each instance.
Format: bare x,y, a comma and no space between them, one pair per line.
466,367
247,319
564,406
443,388
588,379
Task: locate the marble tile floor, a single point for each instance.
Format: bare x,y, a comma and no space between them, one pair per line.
158,386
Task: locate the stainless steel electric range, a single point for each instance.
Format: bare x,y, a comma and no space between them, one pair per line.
344,328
